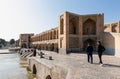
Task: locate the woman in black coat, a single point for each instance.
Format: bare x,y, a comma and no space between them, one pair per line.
100,50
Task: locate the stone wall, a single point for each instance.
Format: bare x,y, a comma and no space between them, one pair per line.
112,43
47,40
76,28
112,27
45,69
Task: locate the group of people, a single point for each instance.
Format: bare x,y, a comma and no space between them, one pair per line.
100,50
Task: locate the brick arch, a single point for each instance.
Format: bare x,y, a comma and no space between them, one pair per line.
73,25
48,77
34,69
52,46
89,27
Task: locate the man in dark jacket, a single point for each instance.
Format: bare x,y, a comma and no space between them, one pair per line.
34,52
89,51
101,49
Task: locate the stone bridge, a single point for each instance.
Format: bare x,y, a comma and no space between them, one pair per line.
47,70
74,66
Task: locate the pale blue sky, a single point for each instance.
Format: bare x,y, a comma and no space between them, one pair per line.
35,16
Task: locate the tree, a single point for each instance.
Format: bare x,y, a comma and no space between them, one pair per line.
2,42
12,41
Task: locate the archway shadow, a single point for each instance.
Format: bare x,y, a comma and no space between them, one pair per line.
48,77
34,69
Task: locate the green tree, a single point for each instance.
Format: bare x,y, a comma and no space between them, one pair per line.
2,42
12,41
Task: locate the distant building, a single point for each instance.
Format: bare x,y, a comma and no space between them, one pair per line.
25,40
47,40
17,43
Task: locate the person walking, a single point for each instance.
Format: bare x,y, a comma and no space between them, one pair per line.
34,52
89,52
100,50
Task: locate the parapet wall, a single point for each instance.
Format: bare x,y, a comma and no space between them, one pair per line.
44,69
74,66
112,43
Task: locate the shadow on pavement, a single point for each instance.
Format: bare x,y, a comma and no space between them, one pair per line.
111,65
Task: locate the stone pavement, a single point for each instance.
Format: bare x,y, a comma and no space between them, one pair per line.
10,68
79,68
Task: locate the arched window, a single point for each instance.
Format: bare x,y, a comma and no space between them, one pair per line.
73,25
74,30
61,26
89,27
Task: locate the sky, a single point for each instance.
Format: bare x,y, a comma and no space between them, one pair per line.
36,16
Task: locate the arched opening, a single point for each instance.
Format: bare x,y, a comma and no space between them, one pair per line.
34,69
89,27
48,77
57,34
61,26
91,42
54,37
73,24
56,47
46,47
52,47
24,45
114,28
74,30
39,47
50,35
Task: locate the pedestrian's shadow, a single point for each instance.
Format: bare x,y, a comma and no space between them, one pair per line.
110,65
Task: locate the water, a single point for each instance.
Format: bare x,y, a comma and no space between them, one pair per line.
10,68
